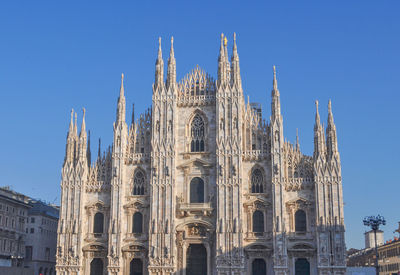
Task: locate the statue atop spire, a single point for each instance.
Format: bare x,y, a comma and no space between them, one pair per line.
276,103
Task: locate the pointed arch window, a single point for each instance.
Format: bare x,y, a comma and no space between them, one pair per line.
197,133
300,218
196,190
96,266
257,181
138,183
98,225
258,222
137,223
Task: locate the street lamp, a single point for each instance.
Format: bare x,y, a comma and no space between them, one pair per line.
374,223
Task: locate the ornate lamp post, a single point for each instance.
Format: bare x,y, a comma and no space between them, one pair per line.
374,223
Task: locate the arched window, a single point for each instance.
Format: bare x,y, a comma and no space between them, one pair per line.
259,267
257,181
258,222
98,225
302,267
138,183
300,221
96,267
197,190
197,134
137,223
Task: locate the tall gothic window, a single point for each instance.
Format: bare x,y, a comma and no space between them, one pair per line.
136,267
300,221
197,134
258,222
137,223
96,267
197,190
98,225
257,181
138,183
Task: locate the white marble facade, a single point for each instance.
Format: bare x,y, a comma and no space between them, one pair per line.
201,184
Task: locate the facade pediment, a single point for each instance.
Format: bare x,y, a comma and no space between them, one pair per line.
195,162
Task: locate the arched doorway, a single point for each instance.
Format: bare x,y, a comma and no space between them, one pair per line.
258,267
196,260
302,267
96,267
136,267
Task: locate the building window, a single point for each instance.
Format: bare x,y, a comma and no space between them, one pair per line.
28,253
257,181
47,253
98,225
197,190
138,183
137,223
32,220
258,222
32,230
197,134
300,221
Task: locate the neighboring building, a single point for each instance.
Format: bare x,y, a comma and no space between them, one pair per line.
360,271
388,260
370,238
200,184
13,214
41,239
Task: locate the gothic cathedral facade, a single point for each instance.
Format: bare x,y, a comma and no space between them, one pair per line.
200,184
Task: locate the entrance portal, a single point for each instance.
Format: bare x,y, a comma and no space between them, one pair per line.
136,267
302,267
259,267
196,260
96,267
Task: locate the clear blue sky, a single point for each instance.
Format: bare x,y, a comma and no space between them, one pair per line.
57,55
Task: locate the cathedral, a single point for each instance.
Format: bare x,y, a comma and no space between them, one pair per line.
200,184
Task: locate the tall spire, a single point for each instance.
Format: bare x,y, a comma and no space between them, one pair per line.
235,68
76,125
88,152
171,74
275,83
159,77
319,140
222,69
297,140
71,139
276,103
83,126
121,103
331,138
99,151
71,124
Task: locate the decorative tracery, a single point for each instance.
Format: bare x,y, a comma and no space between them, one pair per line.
138,183
197,134
257,181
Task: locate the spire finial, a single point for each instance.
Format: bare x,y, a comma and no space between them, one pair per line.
133,113
83,126
159,48
330,106
121,90
297,139
71,124
275,82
